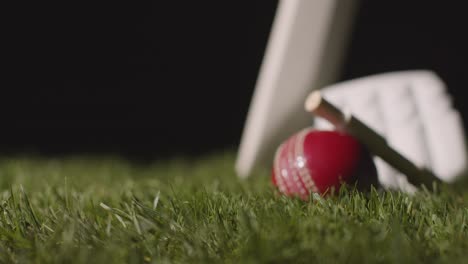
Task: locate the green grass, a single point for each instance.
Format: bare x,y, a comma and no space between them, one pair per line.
97,210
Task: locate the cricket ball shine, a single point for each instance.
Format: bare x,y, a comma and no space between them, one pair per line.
319,161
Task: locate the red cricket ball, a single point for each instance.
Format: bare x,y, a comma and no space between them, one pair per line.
317,161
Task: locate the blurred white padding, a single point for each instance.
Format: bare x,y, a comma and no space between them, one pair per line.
413,111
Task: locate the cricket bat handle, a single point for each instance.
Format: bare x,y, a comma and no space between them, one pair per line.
377,145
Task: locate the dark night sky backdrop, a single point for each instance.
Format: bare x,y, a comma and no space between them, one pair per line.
152,80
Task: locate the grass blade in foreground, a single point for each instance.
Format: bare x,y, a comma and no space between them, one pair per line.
83,210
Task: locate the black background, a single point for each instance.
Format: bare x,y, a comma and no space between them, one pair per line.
154,80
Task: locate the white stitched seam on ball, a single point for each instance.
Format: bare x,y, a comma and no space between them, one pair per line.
290,160
303,171
276,165
299,179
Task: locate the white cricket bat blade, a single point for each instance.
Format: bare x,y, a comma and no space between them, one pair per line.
304,50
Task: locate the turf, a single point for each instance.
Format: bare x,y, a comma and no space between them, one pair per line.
109,210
